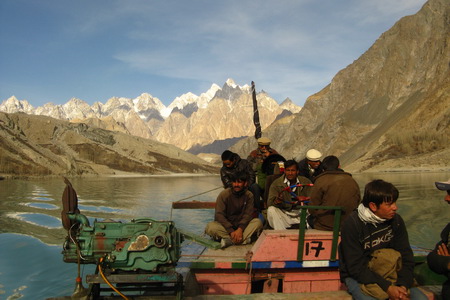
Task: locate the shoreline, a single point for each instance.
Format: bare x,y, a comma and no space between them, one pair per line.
124,175
131,175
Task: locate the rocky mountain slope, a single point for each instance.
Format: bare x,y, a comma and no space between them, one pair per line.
185,123
389,109
40,145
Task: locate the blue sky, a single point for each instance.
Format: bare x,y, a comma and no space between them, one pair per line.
54,50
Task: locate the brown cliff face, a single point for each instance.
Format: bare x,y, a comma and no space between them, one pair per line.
222,119
388,109
38,145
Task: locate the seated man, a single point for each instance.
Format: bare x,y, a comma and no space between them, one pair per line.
232,164
310,167
375,258
333,187
233,219
286,194
439,259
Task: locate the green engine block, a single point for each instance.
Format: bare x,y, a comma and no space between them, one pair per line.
142,244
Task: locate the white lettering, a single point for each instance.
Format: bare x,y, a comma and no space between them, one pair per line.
380,240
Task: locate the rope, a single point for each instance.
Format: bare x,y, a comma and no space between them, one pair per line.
199,194
189,197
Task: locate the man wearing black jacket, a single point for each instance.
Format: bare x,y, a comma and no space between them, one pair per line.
439,259
374,241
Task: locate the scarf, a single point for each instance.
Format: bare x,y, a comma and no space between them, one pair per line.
367,216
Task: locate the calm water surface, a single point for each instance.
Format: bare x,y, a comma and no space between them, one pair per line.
31,234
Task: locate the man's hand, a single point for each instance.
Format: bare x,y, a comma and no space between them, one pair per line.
236,236
397,293
443,250
278,199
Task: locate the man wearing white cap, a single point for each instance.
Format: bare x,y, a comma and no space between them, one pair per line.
310,167
439,259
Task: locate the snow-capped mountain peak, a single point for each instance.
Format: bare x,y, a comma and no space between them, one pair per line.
179,103
146,101
12,105
230,82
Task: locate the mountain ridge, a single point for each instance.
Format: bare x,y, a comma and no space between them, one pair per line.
147,117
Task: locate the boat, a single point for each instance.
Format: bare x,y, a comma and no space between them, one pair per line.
142,259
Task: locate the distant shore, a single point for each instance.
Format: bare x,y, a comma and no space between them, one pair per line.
119,175
428,169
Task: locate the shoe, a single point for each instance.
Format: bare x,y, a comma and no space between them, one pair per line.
225,243
247,241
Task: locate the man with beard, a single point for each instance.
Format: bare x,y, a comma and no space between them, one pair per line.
311,166
233,219
286,194
233,164
256,158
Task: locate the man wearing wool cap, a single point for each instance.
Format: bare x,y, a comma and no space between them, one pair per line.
256,159
310,167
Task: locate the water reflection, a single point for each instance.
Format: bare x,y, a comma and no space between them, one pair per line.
40,198
37,219
42,205
98,209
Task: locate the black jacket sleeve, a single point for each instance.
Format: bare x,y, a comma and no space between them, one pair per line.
439,263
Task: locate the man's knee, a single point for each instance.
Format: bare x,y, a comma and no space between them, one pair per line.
214,229
256,223
209,228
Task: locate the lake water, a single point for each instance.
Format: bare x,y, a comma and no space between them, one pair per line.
31,238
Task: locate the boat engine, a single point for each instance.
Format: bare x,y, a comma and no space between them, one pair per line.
141,244
138,257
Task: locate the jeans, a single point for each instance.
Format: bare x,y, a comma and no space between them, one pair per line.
355,291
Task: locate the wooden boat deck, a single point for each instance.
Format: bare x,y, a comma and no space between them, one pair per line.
231,273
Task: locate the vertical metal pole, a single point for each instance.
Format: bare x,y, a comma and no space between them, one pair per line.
301,233
336,227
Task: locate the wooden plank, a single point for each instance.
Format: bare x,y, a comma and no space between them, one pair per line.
207,242
193,205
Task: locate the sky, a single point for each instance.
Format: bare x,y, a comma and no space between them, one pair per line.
54,50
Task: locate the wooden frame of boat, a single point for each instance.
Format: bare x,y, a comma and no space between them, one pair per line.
275,265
